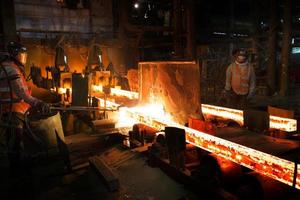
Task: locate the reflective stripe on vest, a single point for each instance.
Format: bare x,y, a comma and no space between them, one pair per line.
5,96
240,78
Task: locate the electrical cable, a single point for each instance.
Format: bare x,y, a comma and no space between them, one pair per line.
42,144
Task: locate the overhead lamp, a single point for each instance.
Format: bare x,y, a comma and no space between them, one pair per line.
61,59
136,5
95,58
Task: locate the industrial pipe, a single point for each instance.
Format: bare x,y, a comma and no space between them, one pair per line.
80,108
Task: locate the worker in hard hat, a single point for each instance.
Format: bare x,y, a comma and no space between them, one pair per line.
15,100
240,80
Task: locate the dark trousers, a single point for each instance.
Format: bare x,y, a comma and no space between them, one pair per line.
20,185
14,135
236,101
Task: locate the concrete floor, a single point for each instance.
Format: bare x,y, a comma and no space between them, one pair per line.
137,181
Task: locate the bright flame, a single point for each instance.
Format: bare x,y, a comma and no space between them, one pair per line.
130,116
226,113
124,120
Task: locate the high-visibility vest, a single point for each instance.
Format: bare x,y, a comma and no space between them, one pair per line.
240,78
5,94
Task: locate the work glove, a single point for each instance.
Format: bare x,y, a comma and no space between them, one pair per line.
43,108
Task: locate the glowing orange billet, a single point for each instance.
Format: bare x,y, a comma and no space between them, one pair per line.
269,165
125,93
279,123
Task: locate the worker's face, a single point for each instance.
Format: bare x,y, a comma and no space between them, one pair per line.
241,58
22,57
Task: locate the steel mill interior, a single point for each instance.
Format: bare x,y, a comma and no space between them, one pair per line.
149,99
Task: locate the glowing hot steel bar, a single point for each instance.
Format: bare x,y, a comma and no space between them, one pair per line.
125,93
225,113
117,92
284,124
109,104
269,165
279,123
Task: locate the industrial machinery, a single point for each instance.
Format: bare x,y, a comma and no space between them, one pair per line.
206,150
228,146
213,145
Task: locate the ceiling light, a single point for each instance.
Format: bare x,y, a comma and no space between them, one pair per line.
136,5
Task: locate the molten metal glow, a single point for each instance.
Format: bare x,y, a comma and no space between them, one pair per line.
277,168
225,113
97,88
125,93
117,92
109,104
269,165
284,124
62,90
279,123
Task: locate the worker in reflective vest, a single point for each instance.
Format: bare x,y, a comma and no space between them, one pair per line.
240,80
15,100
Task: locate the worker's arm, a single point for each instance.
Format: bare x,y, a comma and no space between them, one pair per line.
228,79
21,89
22,92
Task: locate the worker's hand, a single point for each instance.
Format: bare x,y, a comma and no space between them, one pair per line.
43,108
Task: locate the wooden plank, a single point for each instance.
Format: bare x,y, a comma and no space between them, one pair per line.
83,142
79,138
115,156
81,147
105,172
